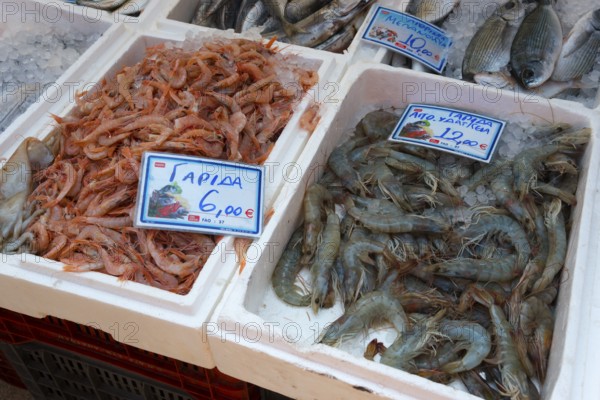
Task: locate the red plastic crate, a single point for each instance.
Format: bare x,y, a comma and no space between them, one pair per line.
16,329
8,373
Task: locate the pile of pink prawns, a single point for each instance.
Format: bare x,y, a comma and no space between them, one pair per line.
226,100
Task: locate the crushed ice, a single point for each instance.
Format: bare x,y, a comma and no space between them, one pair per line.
33,56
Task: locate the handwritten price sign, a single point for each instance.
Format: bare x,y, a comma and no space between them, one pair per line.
199,195
410,36
460,132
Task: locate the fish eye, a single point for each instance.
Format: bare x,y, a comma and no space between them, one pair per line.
510,5
527,74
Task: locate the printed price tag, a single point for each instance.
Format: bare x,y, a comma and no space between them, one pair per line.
464,133
199,195
410,36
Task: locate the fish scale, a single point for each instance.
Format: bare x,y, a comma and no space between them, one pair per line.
475,58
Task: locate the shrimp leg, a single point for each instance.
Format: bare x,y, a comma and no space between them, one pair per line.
502,186
479,346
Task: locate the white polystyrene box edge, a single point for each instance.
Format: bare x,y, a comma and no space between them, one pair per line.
155,311
586,359
233,310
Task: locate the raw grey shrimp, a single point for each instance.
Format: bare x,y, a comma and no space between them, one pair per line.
490,270
325,256
502,186
527,163
411,343
370,152
387,183
354,254
420,198
424,301
515,382
370,311
510,230
537,324
487,173
433,360
339,162
430,173
467,298
476,385
418,151
286,271
534,267
557,245
338,279
396,259
548,295
315,198
377,206
378,125
477,337
398,223
561,163
565,196
405,247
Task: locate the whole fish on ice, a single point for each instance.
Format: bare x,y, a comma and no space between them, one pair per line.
489,49
580,49
536,46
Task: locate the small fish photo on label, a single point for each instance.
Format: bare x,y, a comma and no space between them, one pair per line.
454,131
410,36
200,195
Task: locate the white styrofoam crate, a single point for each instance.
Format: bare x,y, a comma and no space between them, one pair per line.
258,338
14,14
165,323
